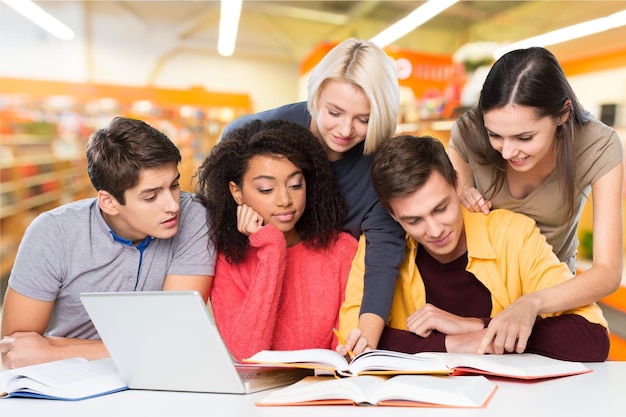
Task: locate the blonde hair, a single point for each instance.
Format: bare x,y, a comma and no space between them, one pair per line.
368,67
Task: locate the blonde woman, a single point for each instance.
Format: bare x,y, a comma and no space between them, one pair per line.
353,101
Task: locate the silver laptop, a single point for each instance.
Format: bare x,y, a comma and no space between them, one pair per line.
168,340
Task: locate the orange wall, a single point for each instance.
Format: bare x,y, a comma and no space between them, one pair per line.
195,96
614,59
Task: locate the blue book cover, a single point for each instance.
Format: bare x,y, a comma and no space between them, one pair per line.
69,379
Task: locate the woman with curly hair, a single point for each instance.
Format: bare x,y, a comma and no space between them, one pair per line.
275,214
352,107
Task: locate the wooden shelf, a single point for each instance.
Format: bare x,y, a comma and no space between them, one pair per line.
35,178
5,266
42,142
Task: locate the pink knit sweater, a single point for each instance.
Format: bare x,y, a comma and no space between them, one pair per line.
281,298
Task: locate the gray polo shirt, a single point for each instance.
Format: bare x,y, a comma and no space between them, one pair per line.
70,250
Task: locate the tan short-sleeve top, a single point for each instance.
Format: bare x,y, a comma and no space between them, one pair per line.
598,149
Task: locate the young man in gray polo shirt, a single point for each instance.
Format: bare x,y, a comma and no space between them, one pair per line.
141,233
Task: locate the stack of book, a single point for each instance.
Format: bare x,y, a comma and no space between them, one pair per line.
427,379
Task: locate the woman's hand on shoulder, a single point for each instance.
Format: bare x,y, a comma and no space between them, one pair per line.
474,201
469,196
248,220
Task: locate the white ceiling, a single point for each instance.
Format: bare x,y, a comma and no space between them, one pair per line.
289,30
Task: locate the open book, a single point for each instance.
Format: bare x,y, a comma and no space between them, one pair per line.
400,390
68,379
522,366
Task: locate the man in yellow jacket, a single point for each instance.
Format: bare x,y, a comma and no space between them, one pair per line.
461,268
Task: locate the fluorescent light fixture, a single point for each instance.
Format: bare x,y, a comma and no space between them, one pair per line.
230,10
40,17
417,17
568,33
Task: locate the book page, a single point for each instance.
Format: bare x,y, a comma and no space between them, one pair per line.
316,388
427,390
517,365
47,374
452,391
68,379
306,358
392,363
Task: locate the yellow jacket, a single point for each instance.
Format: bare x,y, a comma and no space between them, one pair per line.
505,251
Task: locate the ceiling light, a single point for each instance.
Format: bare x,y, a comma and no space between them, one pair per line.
568,33
230,10
43,19
417,17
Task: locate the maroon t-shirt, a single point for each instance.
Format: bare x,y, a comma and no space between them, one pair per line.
453,289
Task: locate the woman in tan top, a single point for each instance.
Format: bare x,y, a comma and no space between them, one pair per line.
530,147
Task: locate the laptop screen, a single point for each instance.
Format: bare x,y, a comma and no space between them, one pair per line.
168,340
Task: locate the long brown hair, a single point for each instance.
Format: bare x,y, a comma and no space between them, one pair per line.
533,78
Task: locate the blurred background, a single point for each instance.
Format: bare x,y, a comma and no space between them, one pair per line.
161,61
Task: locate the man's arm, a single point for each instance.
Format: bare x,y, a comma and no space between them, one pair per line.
430,318
408,342
193,262
569,337
433,329
24,320
566,337
200,283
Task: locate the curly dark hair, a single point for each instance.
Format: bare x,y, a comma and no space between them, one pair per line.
229,161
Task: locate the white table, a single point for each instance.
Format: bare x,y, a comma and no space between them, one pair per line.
601,393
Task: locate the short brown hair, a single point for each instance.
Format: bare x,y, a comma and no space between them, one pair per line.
404,163
117,153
